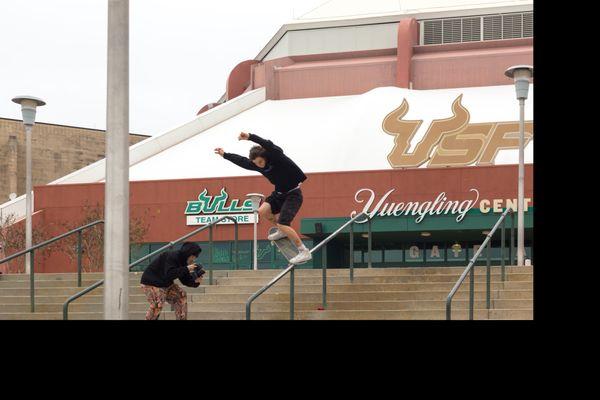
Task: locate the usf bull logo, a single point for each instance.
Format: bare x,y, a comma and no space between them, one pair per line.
450,141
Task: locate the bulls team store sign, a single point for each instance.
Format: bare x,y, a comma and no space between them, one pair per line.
209,208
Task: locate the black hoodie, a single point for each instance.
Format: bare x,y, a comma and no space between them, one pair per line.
280,170
171,265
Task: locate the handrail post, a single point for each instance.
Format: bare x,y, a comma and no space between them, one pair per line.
79,240
210,255
32,281
370,244
487,274
502,250
292,283
512,239
324,267
236,248
352,252
471,291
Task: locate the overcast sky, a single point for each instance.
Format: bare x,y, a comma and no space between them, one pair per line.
181,52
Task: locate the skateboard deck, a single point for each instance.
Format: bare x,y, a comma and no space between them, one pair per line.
285,246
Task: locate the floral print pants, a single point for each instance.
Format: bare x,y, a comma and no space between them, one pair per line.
157,296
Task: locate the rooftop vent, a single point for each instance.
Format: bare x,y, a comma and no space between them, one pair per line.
477,28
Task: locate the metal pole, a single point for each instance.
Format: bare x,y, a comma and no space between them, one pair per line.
28,198
521,194
324,267
512,239
32,283
116,228
236,248
471,292
370,244
210,255
255,241
352,252
292,293
502,250
79,239
488,275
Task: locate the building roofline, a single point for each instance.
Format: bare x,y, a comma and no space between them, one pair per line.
70,126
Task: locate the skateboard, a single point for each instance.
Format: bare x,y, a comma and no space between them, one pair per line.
285,246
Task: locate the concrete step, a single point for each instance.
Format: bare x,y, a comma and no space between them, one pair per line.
375,279
378,271
88,298
96,276
300,315
357,296
69,291
308,297
362,305
280,287
283,306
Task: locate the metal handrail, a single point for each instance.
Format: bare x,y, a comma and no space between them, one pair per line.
32,249
158,251
291,268
471,266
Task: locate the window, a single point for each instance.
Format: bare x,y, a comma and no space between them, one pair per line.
434,253
393,256
414,253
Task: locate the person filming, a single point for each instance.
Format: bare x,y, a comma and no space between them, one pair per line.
158,280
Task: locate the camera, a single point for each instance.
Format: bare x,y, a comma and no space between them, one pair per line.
198,271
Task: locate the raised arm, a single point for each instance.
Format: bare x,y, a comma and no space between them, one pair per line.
266,144
237,160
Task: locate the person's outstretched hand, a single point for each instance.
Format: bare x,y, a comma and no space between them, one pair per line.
244,136
219,151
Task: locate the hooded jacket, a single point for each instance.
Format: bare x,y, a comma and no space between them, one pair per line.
280,170
171,265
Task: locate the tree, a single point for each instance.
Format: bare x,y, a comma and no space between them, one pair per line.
12,240
92,242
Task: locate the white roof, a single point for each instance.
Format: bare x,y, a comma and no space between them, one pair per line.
330,133
323,134
335,9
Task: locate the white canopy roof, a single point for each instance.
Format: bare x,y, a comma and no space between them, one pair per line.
330,133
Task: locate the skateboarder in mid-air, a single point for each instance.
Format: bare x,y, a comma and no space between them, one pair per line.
280,170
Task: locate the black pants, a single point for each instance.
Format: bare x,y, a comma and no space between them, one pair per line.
286,205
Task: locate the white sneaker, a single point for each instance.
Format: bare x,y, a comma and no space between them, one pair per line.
302,257
276,236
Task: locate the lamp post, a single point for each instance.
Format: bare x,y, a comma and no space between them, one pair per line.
521,75
256,198
29,105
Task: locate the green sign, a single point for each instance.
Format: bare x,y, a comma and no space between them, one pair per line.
217,207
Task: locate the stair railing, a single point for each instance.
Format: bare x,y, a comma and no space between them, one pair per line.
32,250
470,269
163,248
291,267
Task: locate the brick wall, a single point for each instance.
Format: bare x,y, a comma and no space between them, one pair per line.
57,151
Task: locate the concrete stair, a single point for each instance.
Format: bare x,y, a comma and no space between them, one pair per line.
378,293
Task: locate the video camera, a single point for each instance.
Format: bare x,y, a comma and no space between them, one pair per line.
198,271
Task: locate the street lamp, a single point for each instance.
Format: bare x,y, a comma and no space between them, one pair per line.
521,75
29,105
256,198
